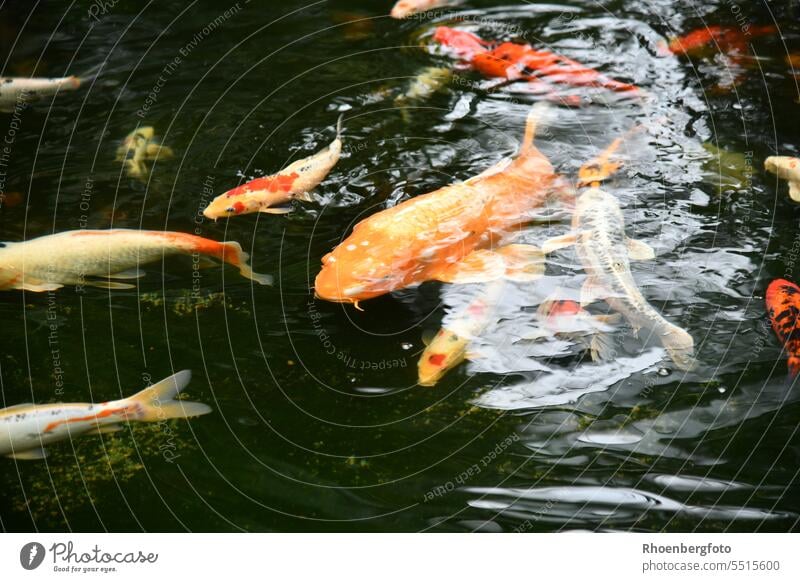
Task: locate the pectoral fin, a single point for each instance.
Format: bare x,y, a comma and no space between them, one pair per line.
110,285
154,151
522,262
603,347
276,210
591,291
794,191
30,455
477,267
640,251
559,242
127,274
37,286
304,197
105,429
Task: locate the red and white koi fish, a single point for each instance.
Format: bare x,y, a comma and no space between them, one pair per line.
783,307
16,90
26,429
406,8
294,182
449,235
522,62
786,168
49,262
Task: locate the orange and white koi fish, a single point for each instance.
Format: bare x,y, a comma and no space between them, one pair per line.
449,235
294,182
26,429
783,307
448,348
598,231
786,168
139,147
522,62
406,8
16,90
98,257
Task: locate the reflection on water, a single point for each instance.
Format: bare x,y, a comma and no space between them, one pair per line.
319,423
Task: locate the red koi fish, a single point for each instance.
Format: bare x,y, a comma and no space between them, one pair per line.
522,62
726,39
449,235
783,307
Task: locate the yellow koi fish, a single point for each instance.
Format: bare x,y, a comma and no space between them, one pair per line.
96,257
787,169
138,147
294,182
25,429
406,8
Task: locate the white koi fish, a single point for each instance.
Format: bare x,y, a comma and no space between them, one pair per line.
294,182
598,231
406,8
26,429
138,147
74,257
787,169
16,90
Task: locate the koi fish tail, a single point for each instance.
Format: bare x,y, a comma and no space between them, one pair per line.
680,346
233,254
535,117
793,363
157,402
603,167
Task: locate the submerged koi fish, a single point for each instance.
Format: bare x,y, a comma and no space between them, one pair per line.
786,168
522,62
725,39
783,307
25,429
449,235
294,182
138,147
49,262
598,231
16,90
406,8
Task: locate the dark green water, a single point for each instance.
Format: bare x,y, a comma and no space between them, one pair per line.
318,424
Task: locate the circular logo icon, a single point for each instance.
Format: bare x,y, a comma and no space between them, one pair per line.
31,555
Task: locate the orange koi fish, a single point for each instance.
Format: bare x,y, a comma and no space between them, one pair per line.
522,62
449,235
783,307
26,428
725,39
49,262
294,182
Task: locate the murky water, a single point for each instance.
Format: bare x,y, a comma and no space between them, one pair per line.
318,422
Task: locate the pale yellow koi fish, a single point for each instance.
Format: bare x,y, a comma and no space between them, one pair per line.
406,8
26,429
98,257
787,169
138,147
271,193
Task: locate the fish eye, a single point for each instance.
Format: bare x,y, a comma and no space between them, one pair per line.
230,209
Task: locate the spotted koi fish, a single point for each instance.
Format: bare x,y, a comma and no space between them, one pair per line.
16,90
268,194
138,147
406,8
522,62
449,235
26,429
783,307
788,169
100,257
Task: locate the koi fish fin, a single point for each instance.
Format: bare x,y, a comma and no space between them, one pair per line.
29,455
680,346
339,126
158,401
134,273
110,285
154,150
559,242
794,191
591,291
427,337
206,263
535,117
523,262
639,250
603,347
303,197
276,210
37,286
105,429
234,255
479,266
601,167
609,318
793,365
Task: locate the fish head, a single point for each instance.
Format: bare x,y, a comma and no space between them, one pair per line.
446,351
592,198
404,9
233,203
